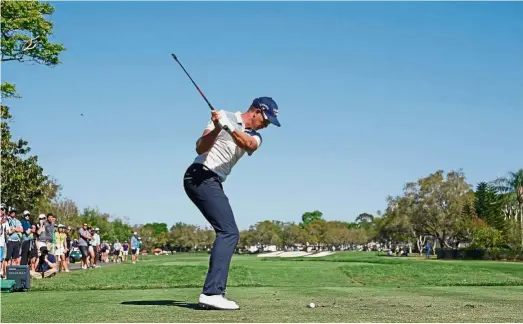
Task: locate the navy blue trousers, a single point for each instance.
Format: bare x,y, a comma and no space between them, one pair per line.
205,190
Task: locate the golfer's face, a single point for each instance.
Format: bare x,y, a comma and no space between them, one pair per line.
260,121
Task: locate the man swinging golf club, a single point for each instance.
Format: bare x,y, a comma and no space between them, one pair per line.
227,137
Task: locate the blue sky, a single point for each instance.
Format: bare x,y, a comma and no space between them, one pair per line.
371,95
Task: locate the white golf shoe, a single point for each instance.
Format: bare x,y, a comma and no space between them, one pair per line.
217,302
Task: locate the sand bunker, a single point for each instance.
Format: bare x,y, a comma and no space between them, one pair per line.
270,254
319,254
295,254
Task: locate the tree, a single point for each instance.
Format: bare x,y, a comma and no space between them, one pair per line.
24,37
292,234
397,223
364,218
120,230
156,228
308,217
26,31
511,189
183,236
267,233
336,234
246,239
487,237
439,203
316,230
488,205
66,212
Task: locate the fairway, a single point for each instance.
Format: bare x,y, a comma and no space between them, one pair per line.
346,287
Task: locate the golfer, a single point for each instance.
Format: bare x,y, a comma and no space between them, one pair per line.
227,137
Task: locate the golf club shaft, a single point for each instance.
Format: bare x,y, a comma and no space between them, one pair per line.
200,91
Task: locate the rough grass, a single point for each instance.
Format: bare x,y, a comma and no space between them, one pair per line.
347,287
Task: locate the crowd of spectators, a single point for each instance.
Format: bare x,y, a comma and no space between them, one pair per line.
48,248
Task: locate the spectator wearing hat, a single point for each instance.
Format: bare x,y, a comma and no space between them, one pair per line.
4,229
46,266
14,238
41,233
60,248
27,238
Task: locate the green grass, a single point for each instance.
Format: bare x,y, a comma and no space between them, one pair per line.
347,287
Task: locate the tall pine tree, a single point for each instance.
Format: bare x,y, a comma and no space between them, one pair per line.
488,205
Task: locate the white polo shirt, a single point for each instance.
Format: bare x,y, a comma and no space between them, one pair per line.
224,154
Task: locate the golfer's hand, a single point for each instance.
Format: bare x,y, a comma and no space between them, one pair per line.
225,123
215,117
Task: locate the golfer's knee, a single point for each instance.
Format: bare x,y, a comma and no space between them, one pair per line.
231,235
235,236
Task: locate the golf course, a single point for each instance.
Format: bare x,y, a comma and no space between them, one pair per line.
345,287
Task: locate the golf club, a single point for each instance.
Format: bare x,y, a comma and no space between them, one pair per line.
200,91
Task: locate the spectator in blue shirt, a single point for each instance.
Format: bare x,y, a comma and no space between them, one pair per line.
427,251
46,266
135,247
14,238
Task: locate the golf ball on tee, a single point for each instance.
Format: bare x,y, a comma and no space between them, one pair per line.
312,305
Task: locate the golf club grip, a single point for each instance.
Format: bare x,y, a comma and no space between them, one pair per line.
194,83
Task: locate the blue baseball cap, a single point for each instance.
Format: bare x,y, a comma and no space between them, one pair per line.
269,108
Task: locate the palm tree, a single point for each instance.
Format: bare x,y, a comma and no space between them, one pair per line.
511,189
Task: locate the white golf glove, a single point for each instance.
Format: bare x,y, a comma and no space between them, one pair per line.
225,123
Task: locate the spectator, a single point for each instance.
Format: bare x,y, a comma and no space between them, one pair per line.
34,250
139,249
125,251
427,251
117,247
50,232
92,256
104,249
135,247
83,244
14,238
96,246
27,237
46,266
60,248
68,245
4,228
41,232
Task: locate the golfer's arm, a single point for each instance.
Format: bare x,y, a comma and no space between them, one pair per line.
245,141
207,140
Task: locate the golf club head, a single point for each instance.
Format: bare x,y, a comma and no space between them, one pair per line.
174,57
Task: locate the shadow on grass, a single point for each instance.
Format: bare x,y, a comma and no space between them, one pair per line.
162,303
